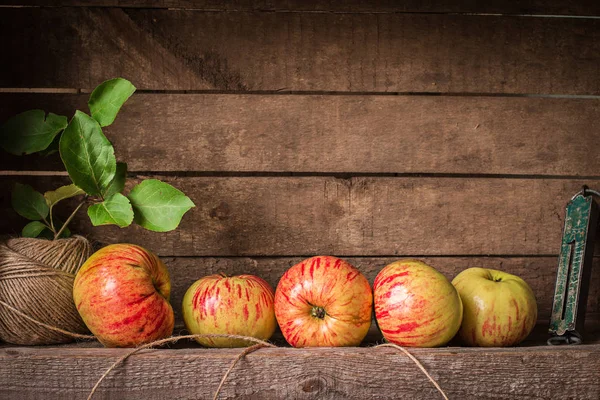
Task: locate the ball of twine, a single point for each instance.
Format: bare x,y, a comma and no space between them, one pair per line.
36,290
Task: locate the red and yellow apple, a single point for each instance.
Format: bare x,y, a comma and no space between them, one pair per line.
499,308
238,305
122,294
415,305
323,301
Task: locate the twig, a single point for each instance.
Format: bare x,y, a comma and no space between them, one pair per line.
49,225
62,228
52,228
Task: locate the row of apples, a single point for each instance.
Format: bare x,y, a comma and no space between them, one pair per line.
122,294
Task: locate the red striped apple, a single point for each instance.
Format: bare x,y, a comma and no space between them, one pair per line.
122,294
237,305
323,301
415,305
500,308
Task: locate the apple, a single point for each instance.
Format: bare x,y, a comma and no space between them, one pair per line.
415,305
499,308
323,301
122,294
237,305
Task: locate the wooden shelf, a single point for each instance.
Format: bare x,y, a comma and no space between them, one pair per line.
372,130
187,371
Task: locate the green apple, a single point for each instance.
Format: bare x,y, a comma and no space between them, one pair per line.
499,308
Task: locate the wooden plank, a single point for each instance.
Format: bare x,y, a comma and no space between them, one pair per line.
540,372
191,50
340,134
364,216
535,7
538,272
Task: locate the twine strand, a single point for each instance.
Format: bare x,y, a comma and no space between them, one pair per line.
175,339
417,363
258,345
247,351
52,328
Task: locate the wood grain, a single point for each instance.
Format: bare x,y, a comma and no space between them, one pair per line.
560,7
339,134
323,373
295,216
192,50
538,272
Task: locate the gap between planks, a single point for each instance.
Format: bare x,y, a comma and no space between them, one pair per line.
284,91
336,175
306,11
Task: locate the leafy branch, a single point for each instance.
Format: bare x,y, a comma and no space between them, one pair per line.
89,158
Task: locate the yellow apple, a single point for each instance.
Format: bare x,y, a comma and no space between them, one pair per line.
415,305
238,305
499,308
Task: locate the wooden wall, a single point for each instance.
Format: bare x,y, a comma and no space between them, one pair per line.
369,130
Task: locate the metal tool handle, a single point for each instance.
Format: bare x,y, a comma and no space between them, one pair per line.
574,268
568,338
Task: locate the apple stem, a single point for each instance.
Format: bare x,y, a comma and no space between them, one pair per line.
318,312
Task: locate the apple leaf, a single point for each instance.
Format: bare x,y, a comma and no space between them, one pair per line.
63,192
158,206
30,132
51,149
29,203
33,229
108,98
118,183
116,210
87,154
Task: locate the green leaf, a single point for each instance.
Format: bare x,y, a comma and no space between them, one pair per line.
30,131
29,203
87,154
115,210
33,229
106,100
47,234
158,206
63,192
52,148
118,183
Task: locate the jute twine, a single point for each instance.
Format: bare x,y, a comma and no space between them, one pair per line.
36,290
258,345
